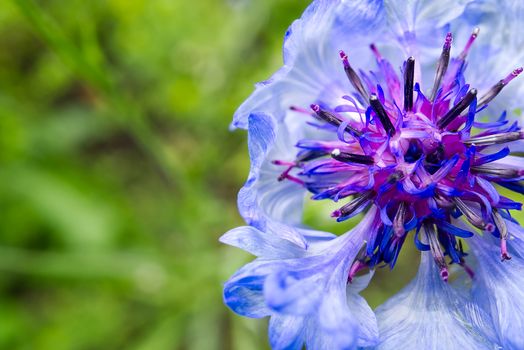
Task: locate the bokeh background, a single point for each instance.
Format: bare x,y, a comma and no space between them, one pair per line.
118,172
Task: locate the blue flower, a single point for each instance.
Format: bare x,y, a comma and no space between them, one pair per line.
415,149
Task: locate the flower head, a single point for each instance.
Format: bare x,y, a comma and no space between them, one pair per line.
414,157
411,148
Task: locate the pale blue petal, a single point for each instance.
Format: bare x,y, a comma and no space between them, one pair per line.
299,290
428,314
296,292
264,202
498,288
337,326
365,317
286,332
515,239
310,56
260,244
243,292
306,297
497,50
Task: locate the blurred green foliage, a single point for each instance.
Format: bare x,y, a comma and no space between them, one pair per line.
118,172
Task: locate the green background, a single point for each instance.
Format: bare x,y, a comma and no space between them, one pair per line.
118,172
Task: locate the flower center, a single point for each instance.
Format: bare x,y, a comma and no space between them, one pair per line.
414,157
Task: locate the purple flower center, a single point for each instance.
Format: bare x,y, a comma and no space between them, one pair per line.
423,160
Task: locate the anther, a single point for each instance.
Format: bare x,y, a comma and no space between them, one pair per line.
351,207
398,221
356,267
472,217
351,158
442,65
409,77
497,88
495,139
377,106
353,77
472,38
332,119
501,173
503,230
436,250
457,109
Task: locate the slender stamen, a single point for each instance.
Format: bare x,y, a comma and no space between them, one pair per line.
472,38
332,119
283,162
495,139
512,76
472,217
457,109
442,65
409,80
356,267
351,158
352,206
287,176
353,77
436,250
503,230
497,88
398,221
503,173
377,106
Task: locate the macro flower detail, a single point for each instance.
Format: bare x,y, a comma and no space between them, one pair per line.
421,164
419,161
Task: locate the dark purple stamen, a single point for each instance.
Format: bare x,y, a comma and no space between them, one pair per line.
472,216
351,158
400,218
334,120
497,88
495,139
502,173
457,109
436,250
503,231
379,110
409,80
355,204
356,267
442,65
353,77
